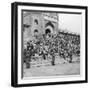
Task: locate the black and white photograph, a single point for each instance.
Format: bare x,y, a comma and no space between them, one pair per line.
51,43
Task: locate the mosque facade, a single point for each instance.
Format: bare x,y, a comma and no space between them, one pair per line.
40,21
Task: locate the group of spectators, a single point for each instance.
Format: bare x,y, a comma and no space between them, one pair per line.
47,45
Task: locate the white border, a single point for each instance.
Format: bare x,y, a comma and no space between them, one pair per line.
50,79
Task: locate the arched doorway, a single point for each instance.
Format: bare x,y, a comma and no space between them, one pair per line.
49,27
47,31
36,32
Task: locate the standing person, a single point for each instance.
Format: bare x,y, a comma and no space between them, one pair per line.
70,52
52,53
53,57
29,54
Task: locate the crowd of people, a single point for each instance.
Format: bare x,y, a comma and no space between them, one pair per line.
47,45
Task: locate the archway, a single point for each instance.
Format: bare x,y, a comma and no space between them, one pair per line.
47,31
35,32
49,27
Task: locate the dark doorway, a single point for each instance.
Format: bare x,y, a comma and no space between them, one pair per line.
47,31
36,21
35,31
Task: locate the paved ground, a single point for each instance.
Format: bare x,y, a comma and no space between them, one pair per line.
59,69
